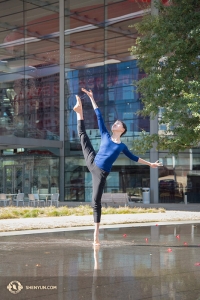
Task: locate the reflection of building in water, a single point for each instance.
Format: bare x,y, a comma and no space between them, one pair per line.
111,271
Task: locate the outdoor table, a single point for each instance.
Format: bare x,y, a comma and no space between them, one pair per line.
47,195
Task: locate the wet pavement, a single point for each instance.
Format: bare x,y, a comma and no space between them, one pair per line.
147,262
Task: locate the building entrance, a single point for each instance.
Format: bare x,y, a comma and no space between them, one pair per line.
13,179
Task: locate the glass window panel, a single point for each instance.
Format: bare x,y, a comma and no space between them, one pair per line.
115,1
91,14
42,12
10,7
85,38
110,77
74,24
42,89
119,35
124,8
44,26
112,90
42,106
85,61
39,168
31,108
12,22
52,2
111,2
84,5
179,177
82,31
118,47
47,51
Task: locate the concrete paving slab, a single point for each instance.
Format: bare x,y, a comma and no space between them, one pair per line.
76,221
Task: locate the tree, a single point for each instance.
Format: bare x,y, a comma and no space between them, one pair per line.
168,50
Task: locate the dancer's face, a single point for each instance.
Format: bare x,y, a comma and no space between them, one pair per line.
117,127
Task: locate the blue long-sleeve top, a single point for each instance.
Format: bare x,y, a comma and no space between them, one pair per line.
109,150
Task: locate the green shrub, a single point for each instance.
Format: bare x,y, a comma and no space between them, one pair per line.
11,212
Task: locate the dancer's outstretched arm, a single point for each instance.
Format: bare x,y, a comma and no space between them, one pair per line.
101,124
152,165
90,95
140,160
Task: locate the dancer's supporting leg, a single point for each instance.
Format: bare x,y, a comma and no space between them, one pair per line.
98,179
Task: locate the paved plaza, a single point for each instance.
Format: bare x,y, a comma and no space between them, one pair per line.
134,261
113,219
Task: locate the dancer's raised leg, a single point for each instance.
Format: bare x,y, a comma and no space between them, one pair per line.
87,148
78,108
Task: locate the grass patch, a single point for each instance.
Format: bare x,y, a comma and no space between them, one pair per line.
11,212
130,210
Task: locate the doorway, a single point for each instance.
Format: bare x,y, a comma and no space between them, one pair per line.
13,179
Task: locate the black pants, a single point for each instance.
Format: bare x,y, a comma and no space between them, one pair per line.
98,175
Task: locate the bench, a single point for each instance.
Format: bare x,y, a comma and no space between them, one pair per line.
115,198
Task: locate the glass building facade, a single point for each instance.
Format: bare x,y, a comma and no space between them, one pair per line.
49,50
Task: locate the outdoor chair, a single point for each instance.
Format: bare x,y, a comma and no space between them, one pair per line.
19,198
4,199
54,199
39,201
31,200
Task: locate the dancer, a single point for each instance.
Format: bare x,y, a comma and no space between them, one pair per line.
101,163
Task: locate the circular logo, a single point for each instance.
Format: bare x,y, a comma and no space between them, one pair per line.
15,287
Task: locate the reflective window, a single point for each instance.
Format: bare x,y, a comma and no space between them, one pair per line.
179,178
32,171
97,39
29,69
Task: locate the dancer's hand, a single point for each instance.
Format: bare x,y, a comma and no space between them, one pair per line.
89,93
156,164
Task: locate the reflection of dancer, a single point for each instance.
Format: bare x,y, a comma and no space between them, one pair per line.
95,273
96,257
101,163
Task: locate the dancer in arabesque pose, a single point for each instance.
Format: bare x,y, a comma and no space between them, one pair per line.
100,163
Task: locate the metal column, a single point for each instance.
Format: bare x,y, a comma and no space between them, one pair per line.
62,96
154,196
